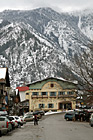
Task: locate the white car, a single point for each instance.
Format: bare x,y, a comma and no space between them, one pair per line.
14,121
22,118
8,123
18,120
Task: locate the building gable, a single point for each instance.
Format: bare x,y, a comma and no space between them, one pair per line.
51,85
63,84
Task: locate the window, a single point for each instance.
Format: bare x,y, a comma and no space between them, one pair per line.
16,118
61,93
52,93
44,93
70,92
2,119
50,105
41,105
35,93
52,85
27,93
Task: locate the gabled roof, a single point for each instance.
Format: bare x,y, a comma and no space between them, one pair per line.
63,83
57,78
23,88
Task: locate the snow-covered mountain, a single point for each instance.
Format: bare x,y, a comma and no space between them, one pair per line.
40,43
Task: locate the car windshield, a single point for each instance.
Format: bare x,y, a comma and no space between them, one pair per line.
70,113
2,119
17,118
11,118
28,115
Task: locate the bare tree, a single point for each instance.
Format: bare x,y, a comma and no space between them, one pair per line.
84,69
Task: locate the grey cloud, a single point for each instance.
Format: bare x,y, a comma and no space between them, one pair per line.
56,4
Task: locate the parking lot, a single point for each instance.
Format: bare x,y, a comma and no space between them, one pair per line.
52,127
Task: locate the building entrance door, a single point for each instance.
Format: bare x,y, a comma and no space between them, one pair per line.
66,105
60,106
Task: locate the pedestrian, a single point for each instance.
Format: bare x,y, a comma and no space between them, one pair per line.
35,119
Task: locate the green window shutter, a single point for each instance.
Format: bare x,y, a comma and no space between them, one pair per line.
48,105
68,92
52,105
39,105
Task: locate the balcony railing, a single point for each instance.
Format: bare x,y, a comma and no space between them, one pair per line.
66,96
59,96
53,96
39,96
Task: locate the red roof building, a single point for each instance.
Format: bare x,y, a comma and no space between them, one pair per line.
21,92
25,88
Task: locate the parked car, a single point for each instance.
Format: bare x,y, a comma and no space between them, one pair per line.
88,114
8,122
18,120
79,115
39,113
83,115
91,120
28,117
3,126
42,112
69,115
3,113
14,121
23,120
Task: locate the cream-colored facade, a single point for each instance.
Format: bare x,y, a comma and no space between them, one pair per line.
50,95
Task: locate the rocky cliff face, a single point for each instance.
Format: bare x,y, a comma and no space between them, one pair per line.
40,43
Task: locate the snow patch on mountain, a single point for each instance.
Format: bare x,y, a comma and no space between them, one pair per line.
42,43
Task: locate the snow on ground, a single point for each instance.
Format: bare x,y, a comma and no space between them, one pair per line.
51,112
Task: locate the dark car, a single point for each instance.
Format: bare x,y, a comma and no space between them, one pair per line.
69,115
79,115
88,114
39,113
83,115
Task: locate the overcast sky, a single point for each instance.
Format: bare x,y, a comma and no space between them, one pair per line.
58,5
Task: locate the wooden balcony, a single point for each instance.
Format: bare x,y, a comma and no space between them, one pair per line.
67,96
44,96
39,96
34,96
52,96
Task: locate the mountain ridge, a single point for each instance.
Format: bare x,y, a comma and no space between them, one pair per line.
40,43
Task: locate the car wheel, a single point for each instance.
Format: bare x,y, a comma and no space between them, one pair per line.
0,134
91,125
67,119
19,125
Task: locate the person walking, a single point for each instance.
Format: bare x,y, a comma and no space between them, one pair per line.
35,120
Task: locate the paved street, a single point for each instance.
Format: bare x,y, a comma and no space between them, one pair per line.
52,127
